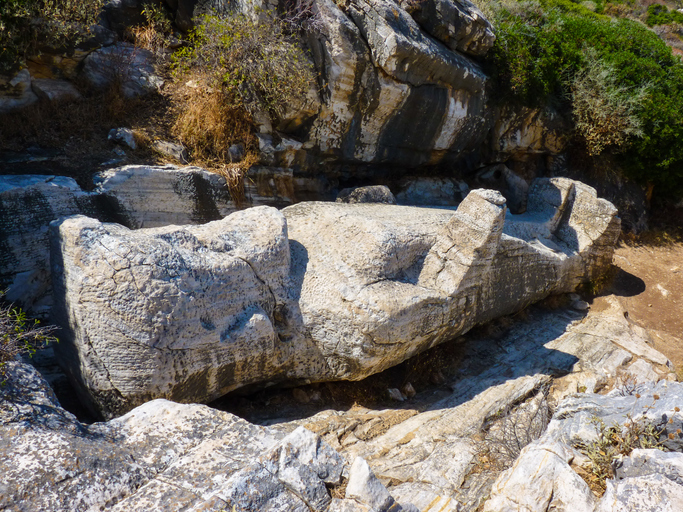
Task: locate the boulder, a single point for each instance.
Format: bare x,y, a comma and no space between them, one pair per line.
55,90
123,136
392,94
122,65
420,191
327,291
643,462
459,24
16,92
153,196
121,14
654,403
27,205
642,494
135,196
372,194
555,486
161,456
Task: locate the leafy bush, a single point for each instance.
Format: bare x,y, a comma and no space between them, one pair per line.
25,25
661,15
255,65
541,53
605,112
19,335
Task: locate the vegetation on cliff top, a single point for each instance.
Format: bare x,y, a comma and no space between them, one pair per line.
26,25
621,83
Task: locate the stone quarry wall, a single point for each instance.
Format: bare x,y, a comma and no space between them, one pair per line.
399,86
134,196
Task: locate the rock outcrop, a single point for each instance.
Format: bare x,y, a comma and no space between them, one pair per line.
16,92
27,205
124,64
163,456
134,196
335,291
645,479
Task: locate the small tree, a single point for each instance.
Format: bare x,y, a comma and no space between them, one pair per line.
20,335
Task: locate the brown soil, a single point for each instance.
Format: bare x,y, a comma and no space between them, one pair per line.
649,285
70,138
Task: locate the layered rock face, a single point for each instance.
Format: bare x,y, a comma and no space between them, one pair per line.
321,291
398,83
392,93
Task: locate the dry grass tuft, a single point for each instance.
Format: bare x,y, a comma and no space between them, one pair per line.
207,124
234,174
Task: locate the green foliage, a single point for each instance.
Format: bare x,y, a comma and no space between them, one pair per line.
661,15
605,112
19,335
617,440
25,25
547,52
157,18
155,33
256,65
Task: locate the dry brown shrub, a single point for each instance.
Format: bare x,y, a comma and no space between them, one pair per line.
235,174
153,35
512,430
208,125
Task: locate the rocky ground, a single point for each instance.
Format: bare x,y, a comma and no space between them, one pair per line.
649,286
433,445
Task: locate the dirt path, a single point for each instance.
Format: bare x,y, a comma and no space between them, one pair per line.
649,285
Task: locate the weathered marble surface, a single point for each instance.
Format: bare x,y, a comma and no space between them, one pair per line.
187,313
27,205
318,292
425,449
161,456
135,196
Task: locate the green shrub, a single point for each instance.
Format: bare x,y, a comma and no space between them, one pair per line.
661,15
615,441
540,55
26,25
19,335
605,113
255,65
